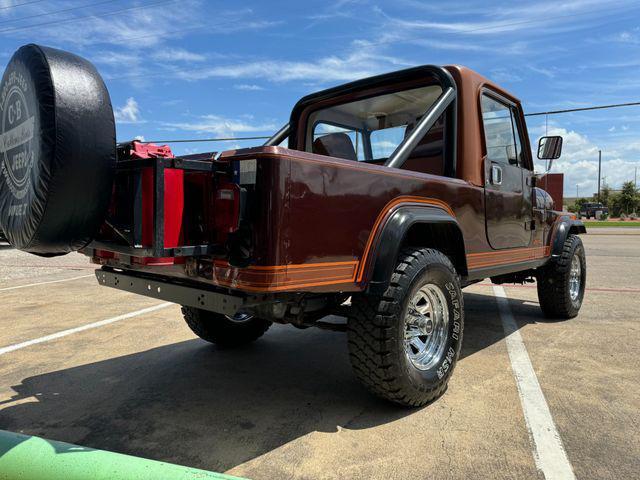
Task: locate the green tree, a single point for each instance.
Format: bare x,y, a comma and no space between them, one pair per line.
629,198
615,205
605,195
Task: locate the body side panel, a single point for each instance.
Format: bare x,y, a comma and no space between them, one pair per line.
336,209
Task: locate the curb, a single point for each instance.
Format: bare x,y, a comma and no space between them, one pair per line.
24,457
613,231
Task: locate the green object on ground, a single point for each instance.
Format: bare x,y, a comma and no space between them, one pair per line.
24,457
596,224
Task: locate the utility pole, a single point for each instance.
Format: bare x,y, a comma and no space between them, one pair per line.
577,191
599,171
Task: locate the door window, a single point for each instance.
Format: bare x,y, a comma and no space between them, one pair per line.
501,133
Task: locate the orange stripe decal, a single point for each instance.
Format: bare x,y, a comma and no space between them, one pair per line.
273,278
506,257
284,277
297,276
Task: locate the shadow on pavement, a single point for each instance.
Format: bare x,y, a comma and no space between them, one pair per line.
193,404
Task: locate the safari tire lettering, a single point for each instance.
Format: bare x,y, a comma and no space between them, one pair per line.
376,331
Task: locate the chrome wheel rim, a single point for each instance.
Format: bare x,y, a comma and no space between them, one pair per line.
426,327
575,278
239,317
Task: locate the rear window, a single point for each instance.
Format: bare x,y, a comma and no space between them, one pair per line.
328,131
386,140
377,123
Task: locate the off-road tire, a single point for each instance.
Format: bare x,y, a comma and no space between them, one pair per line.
217,328
376,331
553,282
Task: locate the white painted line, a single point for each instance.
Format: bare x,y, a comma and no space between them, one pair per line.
549,454
89,326
6,289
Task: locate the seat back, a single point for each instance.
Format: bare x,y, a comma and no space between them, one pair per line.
337,145
428,155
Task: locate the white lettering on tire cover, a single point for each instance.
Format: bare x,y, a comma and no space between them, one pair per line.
17,128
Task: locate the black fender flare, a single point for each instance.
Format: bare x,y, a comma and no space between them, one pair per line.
384,255
564,227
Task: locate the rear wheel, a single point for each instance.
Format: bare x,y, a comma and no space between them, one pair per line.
561,283
404,344
225,330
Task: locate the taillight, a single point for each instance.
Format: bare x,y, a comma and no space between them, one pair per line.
227,208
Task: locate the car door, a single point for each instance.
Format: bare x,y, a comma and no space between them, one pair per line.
508,208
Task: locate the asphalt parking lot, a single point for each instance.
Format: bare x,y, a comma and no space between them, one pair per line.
289,406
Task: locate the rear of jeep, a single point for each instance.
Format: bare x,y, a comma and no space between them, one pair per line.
292,235
370,213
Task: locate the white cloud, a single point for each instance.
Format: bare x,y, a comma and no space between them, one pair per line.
337,9
327,69
6,7
234,27
220,126
579,162
547,72
133,29
177,55
129,112
248,87
527,18
630,37
503,75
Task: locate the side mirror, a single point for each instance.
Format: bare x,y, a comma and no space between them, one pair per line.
549,148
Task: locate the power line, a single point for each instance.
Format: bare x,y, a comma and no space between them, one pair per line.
164,33
413,39
583,109
29,17
551,112
194,140
21,4
75,19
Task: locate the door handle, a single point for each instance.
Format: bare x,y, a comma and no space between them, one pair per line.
496,175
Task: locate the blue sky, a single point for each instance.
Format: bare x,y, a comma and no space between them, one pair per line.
204,68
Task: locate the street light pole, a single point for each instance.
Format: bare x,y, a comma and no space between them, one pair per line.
599,171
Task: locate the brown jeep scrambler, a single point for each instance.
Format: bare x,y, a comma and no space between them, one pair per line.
379,201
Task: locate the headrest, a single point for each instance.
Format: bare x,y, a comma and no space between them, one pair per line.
337,145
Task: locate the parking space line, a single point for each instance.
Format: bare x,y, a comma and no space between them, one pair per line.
606,290
6,289
64,333
549,453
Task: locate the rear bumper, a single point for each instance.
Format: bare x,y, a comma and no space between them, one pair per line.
181,294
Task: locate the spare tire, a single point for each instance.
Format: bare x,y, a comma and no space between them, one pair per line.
57,151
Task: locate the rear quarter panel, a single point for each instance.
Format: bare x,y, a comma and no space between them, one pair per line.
317,211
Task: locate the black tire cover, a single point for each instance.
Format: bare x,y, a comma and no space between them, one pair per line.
57,151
